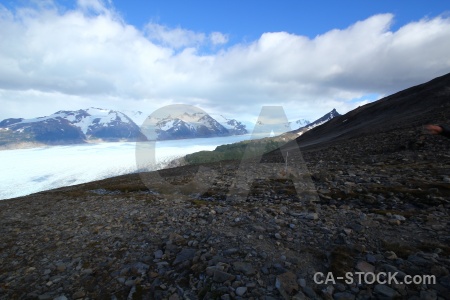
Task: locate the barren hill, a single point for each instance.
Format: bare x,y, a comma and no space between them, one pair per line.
419,105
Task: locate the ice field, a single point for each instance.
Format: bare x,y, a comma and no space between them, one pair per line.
27,171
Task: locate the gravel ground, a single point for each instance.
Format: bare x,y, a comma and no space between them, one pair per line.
380,207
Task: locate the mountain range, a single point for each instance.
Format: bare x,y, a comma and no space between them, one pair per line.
103,125
71,127
191,125
97,124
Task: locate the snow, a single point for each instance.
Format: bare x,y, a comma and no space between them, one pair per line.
106,116
84,124
97,111
298,124
191,118
27,171
138,117
222,121
35,120
166,125
71,118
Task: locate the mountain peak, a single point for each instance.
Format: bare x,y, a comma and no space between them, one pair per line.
306,125
334,112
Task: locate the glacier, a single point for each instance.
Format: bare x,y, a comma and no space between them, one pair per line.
27,171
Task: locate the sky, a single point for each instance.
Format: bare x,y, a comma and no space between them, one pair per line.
225,57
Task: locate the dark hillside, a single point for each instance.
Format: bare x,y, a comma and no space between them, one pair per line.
410,108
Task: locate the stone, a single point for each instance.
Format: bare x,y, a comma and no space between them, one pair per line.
365,267
327,292
130,282
78,295
340,286
344,296
158,254
230,251
244,267
371,259
428,295
358,228
176,239
301,282
311,216
46,296
240,291
390,255
184,255
300,296
310,292
174,297
385,291
399,217
348,231
220,276
210,270
265,270
87,271
419,260
286,283
60,267
394,222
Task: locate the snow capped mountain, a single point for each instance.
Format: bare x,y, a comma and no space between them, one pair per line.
193,125
233,126
325,118
96,124
69,127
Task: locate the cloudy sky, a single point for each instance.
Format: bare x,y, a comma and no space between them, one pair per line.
229,57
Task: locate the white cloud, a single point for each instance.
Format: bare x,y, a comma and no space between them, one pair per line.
92,5
90,56
218,38
176,38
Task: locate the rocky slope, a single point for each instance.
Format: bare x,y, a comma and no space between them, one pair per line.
416,106
115,238
383,205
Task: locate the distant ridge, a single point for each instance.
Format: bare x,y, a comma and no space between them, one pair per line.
325,118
